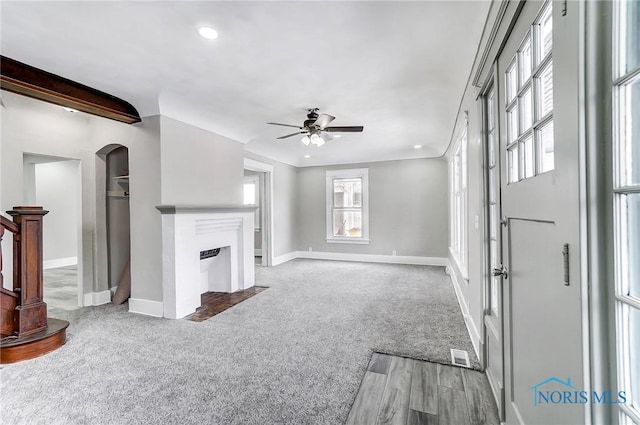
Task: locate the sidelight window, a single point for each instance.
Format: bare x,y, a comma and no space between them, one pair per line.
626,198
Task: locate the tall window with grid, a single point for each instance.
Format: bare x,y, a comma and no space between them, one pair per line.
529,100
626,198
459,200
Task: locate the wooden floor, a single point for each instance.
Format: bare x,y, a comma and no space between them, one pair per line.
401,391
213,303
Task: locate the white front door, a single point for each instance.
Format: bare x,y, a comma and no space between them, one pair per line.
537,299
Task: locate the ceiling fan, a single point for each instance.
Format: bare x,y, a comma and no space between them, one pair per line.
315,128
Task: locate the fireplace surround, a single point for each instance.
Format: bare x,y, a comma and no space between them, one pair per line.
188,231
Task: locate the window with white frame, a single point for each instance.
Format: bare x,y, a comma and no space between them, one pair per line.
626,198
529,100
252,196
348,205
459,200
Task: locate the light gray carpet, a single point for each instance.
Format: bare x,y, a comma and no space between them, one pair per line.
294,354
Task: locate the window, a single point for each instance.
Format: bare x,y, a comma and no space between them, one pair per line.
459,201
348,206
252,196
529,100
626,199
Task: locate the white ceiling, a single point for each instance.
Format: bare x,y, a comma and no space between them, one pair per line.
398,68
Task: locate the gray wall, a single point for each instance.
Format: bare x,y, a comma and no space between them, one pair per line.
34,127
407,209
199,167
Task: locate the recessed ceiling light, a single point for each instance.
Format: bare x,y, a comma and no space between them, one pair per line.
417,146
69,109
208,33
337,135
307,156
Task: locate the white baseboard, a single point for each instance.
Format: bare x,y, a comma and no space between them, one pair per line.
366,258
257,252
374,258
146,307
283,258
97,298
114,289
59,262
468,320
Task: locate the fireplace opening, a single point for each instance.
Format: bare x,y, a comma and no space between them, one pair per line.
215,270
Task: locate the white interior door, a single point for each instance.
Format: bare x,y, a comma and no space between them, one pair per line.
539,302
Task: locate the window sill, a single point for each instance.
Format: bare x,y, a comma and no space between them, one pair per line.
351,241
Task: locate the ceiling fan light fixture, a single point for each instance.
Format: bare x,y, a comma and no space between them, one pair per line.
317,140
306,140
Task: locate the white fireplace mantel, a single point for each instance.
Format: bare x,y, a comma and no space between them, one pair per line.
189,229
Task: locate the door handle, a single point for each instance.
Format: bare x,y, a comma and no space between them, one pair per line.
502,271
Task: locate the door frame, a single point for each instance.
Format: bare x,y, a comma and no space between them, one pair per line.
491,83
267,207
46,159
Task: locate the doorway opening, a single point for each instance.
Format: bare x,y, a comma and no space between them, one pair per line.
118,219
258,189
55,184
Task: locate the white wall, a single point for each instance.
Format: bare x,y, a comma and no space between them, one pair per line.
407,209
56,189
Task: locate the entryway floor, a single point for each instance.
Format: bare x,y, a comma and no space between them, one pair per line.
213,303
60,289
398,390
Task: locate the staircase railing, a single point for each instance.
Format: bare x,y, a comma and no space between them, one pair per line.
22,310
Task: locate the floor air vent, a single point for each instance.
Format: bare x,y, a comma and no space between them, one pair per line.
460,358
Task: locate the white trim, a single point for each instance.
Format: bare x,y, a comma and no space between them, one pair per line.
364,258
330,175
284,258
455,261
59,262
357,241
468,320
146,307
97,298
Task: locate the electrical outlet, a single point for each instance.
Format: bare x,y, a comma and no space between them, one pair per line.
310,249
393,252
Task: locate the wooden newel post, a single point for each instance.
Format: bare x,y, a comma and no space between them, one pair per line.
31,314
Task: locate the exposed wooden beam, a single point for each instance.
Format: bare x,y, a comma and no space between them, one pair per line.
26,80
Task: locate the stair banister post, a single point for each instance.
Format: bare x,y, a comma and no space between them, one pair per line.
31,314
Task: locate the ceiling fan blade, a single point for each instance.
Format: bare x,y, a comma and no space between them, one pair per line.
285,125
292,134
326,137
323,120
352,129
